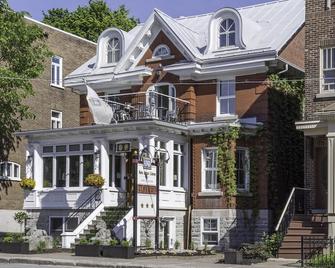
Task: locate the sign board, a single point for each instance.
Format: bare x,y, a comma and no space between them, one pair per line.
146,194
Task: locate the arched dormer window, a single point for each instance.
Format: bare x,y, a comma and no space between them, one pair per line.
113,50
227,33
161,51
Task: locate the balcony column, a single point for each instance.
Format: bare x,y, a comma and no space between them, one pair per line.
331,184
104,161
37,166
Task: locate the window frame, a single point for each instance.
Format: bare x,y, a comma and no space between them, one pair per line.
246,170
212,169
57,119
164,154
202,231
322,69
54,65
180,154
159,47
112,167
228,97
113,51
63,222
11,176
227,34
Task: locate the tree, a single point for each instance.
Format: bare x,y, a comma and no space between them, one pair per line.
91,20
22,54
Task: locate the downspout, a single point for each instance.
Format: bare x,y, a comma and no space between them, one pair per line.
190,188
285,70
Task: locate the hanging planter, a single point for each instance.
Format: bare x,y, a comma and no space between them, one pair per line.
27,183
94,180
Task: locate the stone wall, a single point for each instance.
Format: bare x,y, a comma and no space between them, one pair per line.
235,226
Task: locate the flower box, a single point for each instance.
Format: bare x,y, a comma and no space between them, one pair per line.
88,250
15,247
118,252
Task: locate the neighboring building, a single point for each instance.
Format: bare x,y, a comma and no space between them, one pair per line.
172,83
54,107
319,122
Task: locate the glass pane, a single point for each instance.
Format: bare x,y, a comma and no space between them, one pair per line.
47,149
224,89
60,171
231,38
71,224
2,169
57,75
47,171
16,171
117,171
223,40
182,171
224,106
162,167
60,148
55,114
329,60
231,104
56,226
176,171
53,75
210,238
88,165
55,60
74,147
74,170
88,147
231,25
325,59
209,184
9,170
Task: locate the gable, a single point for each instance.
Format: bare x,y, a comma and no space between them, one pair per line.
176,55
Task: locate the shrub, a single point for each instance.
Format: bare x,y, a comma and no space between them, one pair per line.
177,245
20,217
96,242
13,238
327,260
272,243
83,241
125,243
148,243
94,180
257,251
113,242
27,183
41,246
56,243
8,239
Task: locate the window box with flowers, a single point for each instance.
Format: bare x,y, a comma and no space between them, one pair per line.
94,180
27,184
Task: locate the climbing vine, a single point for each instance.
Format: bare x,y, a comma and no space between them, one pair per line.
225,140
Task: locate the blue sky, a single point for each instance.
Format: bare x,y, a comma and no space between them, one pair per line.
139,8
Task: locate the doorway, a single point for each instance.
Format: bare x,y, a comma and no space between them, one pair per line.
168,228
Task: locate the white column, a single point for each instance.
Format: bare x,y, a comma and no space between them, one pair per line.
169,164
97,156
29,162
37,167
104,162
331,185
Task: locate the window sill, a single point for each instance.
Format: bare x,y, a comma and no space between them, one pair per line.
243,194
57,86
325,95
8,179
225,117
210,194
170,57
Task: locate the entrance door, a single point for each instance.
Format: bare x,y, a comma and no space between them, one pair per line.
169,232
321,178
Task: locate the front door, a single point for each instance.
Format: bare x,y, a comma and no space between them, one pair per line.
169,232
321,178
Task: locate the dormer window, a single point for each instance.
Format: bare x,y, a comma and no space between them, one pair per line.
161,51
227,33
113,50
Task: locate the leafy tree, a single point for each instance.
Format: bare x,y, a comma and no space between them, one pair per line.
22,54
91,20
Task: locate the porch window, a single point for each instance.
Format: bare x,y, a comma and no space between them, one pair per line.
115,170
74,171
60,171
226,98
9,171
328,69
47,172
242,169
178,165
161,147
210,231
210,170
88,166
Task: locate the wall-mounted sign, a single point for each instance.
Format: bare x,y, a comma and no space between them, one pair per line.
122,147
146,206
146,177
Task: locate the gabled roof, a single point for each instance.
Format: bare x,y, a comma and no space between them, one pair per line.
265,28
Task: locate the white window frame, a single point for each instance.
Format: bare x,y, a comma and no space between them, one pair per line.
54,72
158,48
202,231
328,68
113,50
226,34
228,97
158,148
57,119
180,154
246,170
63,224
204,169
112,155
10,176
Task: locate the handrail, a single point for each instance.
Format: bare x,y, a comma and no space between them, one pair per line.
289,200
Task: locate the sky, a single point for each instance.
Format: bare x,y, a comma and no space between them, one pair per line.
139,8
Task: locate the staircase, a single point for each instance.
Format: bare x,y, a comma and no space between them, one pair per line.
302,225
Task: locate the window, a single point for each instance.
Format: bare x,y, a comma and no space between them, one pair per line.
161,146
56,119
60,171
57,71
178,165
162,102
210,231
9,171
115,170
210,177
161,51
330,4
227,35
74,171
242,169
328,69
88,165
226,98
113,50
58,225
47,171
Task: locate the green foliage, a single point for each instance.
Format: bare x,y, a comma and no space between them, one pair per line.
323,260
41,247
113,242
83,241
23,52
91,20
176,245
94,180
125,243
27,183
13,238
272,243
225,140
148,243
96,242
285,143
57,243
20,217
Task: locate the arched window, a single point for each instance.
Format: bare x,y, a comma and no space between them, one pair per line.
113,50
161,51
227,33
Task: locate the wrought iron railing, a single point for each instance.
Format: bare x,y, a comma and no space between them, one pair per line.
295,204
317,251
148,105
84,210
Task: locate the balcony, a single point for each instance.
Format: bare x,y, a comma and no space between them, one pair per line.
148,106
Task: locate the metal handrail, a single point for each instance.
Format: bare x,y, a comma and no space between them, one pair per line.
289,201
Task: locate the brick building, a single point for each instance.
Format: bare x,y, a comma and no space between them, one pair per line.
171,84
54,107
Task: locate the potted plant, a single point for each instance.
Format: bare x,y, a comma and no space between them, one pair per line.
94,180
123,251
27,183
14,243
88,248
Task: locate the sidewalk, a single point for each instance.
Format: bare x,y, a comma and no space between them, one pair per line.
68,259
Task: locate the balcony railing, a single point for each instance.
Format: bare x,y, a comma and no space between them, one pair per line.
148,105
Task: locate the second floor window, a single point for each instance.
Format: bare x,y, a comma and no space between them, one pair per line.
57,71
226,98
114,50
178,165
227,33
56,119
328,69
210,170
242,169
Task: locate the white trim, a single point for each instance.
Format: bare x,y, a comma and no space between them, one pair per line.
57,119
10,176
202,229
228,97
59,30
154,56
54,73
204,169
63,224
